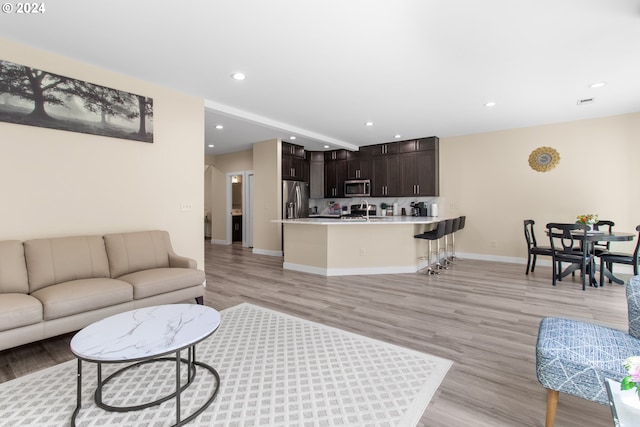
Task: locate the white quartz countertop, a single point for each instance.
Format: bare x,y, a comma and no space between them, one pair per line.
374,220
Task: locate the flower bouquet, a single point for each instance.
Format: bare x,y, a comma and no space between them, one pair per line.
588,219
632,365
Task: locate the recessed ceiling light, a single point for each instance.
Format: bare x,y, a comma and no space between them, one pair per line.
490,104
368,124
398,136
219,127
597,85
238,76
292,137
326,146
211,145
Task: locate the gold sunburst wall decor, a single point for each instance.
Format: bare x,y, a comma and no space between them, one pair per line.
543,159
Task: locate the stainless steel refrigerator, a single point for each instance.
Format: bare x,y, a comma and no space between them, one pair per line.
295,199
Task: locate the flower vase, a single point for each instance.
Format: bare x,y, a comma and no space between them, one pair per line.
631,399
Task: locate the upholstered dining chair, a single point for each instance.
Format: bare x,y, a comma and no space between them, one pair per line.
575,357
533,250
607,259
564,239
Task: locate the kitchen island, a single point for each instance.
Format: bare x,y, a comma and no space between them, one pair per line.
336,247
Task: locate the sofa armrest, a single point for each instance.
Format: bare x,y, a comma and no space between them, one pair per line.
178,261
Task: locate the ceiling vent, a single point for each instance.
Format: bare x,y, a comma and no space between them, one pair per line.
586,101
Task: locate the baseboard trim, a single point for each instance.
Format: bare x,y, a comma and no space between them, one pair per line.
267,252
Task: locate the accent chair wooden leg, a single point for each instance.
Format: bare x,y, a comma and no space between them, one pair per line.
552,405
200,300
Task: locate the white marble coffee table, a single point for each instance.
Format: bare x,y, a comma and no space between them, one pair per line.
144,336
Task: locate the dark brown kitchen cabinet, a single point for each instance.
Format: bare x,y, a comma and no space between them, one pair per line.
316,173
292,150
419,173
335,172
359,164
383,149
236,228
386,175
294,164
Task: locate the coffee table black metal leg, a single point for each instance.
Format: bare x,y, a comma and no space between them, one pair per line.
178,387
78,393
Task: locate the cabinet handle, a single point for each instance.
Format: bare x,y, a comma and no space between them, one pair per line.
418,188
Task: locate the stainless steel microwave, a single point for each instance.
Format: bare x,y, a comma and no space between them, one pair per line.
357,188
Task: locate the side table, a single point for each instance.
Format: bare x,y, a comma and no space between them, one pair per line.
623,415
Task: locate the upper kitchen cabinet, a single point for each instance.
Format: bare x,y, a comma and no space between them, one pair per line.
293,163
316,171
419,170
359,164
382,149
422,144
335,172
385,180
292,150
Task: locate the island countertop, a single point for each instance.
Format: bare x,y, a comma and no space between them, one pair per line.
373,220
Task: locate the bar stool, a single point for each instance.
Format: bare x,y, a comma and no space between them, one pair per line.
457,227
447,231
431,236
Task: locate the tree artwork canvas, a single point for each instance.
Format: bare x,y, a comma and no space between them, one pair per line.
34,97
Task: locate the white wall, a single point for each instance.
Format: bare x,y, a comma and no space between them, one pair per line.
58,183
487,177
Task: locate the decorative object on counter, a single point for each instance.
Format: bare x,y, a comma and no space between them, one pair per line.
383,209
395,209
544,159
434,209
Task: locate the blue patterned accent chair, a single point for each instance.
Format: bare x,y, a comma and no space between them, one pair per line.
575,357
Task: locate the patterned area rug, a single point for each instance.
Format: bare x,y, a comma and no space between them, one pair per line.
275,370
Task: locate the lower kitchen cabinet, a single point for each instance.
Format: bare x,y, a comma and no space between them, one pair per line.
236,228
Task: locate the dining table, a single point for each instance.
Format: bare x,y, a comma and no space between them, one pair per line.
588,241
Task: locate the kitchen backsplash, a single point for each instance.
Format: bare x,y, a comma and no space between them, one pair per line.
330,206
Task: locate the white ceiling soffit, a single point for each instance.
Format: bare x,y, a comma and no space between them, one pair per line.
252,125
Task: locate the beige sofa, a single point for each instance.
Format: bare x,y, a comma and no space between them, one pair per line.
53,286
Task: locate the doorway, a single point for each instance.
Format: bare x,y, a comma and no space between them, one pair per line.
240,208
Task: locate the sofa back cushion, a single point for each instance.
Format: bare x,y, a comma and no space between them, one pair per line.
13,269
136,251
51,261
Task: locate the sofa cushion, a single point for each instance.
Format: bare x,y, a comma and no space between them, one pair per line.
79,296
18,310
136,251
158,281
63,259
13,269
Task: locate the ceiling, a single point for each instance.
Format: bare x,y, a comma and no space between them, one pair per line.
320,69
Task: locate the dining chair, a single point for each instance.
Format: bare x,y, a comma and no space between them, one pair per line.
564,239
602,247
607,259
533,250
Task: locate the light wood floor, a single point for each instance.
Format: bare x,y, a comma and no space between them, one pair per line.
482,315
